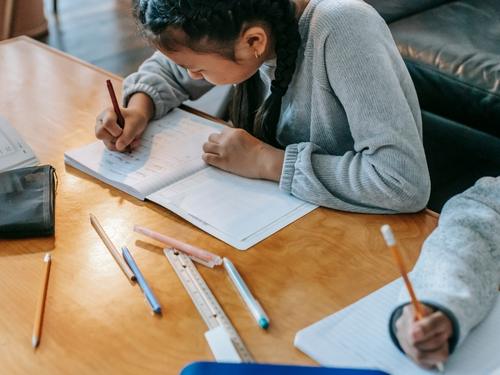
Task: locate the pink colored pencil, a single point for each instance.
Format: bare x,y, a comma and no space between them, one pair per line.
200,255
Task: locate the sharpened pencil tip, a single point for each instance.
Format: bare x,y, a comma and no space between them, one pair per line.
34,341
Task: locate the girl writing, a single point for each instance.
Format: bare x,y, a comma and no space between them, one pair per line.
323,103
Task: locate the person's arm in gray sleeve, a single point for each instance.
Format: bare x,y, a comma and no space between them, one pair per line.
458,271
167,84
386,172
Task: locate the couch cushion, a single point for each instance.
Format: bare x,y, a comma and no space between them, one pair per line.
457,156
392,10
453,54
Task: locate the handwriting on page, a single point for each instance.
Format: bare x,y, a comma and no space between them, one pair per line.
170,148
183,141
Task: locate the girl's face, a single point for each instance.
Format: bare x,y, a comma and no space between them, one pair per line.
220,70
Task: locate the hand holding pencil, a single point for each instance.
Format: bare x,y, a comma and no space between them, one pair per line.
120,129
422,333
425,341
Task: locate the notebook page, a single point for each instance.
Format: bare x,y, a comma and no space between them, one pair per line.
360,338
170,149
14,152
238,210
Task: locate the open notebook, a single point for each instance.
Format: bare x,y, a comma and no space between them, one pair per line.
358,336
14,151
168,170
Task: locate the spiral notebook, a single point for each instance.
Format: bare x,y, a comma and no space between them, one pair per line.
167,169
358,336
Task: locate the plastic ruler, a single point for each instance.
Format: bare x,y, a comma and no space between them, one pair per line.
204,300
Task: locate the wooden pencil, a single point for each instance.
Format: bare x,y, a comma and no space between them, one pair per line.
390,240
391,244
40,307
111,247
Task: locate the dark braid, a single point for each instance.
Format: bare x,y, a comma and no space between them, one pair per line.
214,26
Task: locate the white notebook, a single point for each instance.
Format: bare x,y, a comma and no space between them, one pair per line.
358,336
14,151
168,170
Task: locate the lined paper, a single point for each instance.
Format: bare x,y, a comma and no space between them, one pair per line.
235,207
358,336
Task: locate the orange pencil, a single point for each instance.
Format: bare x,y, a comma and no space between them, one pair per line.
391,243
35,339
390,240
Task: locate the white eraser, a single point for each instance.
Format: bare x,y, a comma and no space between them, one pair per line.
221,345
388,235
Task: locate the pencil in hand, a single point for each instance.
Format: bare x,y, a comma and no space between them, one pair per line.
391,244
40,307
390,240
120,120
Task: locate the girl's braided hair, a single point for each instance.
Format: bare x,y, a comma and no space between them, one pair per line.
214,26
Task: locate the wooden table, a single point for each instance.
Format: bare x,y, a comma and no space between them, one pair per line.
95,321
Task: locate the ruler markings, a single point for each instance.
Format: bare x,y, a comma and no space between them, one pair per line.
205,302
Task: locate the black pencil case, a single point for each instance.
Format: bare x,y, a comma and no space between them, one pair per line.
27,202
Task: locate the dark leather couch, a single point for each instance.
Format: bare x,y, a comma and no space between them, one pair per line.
452,50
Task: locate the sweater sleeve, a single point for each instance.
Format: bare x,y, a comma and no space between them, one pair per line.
166,83
459,266
386,172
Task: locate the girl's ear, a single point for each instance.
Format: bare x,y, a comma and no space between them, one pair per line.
256,40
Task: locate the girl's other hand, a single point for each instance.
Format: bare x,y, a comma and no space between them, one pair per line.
114,137
239,152
425,341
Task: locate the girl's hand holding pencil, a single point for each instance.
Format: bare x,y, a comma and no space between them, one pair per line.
123,137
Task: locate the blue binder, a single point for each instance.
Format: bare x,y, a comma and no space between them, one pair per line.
218,368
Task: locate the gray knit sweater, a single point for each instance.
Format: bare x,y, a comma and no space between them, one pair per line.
458,269
350,120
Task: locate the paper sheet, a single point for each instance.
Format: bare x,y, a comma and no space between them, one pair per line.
14,151
227,202
170,149
358,336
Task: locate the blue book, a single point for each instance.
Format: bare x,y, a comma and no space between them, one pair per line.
217,368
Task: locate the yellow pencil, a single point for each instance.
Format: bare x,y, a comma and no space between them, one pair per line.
390,240
37,327
112,249
391,244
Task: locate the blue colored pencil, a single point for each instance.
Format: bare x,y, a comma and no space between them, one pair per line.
155,306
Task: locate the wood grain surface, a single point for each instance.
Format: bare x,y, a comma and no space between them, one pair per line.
95,320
